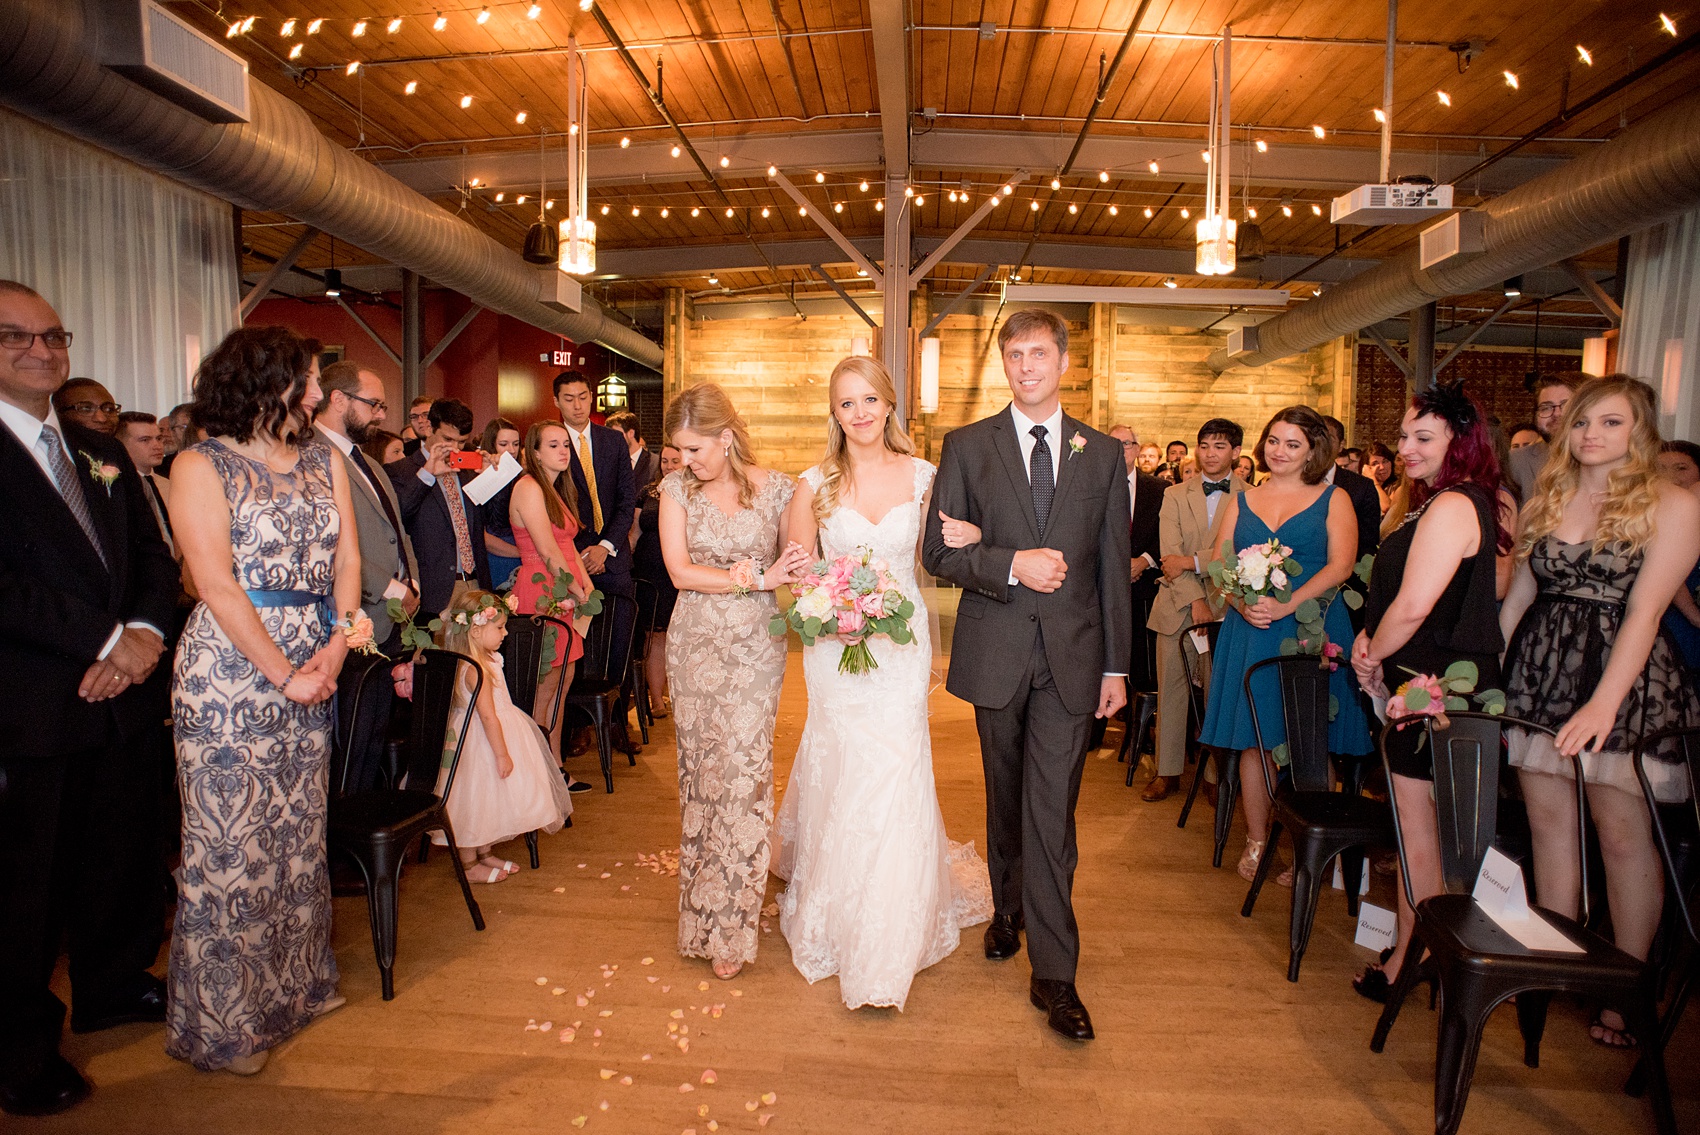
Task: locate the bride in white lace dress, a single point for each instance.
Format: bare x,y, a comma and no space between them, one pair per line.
877,892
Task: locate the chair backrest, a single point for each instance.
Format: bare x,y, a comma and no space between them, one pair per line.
648,596
1303,684
531,639
359,735
1468,759
428,733
608,643
1687,742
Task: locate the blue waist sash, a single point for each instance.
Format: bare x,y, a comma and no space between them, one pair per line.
263,599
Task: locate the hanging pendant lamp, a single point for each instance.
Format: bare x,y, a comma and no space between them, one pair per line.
1216,230
541,244
577,244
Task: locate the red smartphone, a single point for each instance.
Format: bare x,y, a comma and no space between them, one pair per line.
472,462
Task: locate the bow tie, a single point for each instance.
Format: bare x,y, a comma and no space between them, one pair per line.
1217,487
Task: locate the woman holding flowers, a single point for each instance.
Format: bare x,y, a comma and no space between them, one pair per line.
1297,510
1420,622
1605,544
723,537
877,891
541,511
266,525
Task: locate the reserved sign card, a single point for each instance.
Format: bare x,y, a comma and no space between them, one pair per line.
1378,928
1501,893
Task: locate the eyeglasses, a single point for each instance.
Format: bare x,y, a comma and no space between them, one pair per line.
1541,408
377,404
1130,445
93,407
24,340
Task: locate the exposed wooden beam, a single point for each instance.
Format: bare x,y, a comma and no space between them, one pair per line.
957,300
965,228
819,217
1149,297
367,327
284,263
443,343
891,68
845,296
1597,295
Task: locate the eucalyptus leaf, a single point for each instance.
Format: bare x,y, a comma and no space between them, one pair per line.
1308,611
1289,647
1279,755
1417,699
1333,707
1456,704
1463,669
1352,599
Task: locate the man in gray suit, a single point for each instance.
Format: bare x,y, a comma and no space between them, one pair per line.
1043,636
353,407
1552,395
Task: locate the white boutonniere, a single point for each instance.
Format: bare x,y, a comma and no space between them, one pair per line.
106,474
1076,443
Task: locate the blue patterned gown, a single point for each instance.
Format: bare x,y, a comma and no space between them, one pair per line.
1227,721
251,959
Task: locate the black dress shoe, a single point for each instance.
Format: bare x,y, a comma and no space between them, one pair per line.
48,1088
1063,1010
1003,937
144,1002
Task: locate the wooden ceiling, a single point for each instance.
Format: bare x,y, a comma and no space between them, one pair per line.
742,70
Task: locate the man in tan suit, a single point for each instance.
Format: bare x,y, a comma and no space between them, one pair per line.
1187,531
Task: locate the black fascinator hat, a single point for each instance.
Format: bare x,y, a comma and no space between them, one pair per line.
1451,404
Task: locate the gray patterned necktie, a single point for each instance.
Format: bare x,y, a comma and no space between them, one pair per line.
65,478
1041,477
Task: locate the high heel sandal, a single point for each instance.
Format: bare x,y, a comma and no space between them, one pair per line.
1249,858
726,971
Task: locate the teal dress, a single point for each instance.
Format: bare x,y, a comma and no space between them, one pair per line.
1227,723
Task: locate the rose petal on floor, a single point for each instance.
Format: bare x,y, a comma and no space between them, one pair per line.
647,962
683,1088
606,1013
560,890
762,1119
557,991
603,1106
677,1014
769,1098
581,1001
702,987
653,979
579,1120
751,1105
708,1076
542,981
702,1112
626,1080
607,1073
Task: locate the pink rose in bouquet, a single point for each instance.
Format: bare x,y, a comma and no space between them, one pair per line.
852,599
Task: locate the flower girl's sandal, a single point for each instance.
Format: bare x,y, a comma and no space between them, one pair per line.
1249,858
505,866
479,873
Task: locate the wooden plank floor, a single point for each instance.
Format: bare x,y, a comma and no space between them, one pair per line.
1198,1030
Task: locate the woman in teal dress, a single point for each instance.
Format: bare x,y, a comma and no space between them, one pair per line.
1316,520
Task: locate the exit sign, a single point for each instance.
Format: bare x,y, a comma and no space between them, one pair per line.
563,358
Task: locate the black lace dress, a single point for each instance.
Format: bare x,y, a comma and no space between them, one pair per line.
1463,626
1559,652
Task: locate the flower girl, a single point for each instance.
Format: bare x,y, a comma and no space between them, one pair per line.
505,784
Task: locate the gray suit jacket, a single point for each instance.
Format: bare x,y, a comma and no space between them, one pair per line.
1087,623
383,550
1526,464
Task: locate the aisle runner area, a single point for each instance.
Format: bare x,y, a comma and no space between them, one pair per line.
573,1011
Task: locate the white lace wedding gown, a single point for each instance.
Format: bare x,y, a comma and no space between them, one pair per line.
877,891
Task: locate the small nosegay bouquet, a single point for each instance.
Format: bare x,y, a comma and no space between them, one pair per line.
851,598
1262,569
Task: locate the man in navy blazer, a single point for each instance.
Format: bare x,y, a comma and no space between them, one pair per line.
420,479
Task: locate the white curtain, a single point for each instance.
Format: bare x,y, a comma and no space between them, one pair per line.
1660,339
140,269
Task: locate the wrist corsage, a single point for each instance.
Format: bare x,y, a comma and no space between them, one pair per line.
356,629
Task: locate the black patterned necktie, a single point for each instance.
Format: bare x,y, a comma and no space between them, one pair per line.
65,479
1217,487
1042,477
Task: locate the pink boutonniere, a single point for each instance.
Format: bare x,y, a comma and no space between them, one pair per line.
1076,443
107,475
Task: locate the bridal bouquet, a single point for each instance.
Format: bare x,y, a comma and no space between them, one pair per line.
1262,569
852,599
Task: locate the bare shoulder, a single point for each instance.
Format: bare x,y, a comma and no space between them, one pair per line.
1678,505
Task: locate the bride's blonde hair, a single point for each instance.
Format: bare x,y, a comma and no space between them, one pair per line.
1632,489
835,464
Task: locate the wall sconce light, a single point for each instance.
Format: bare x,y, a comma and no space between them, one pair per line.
930,375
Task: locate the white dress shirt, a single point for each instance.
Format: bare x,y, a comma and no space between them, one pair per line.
26,427
1211,500
575,435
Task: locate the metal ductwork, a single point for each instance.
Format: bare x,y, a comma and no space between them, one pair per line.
1648,174
278,161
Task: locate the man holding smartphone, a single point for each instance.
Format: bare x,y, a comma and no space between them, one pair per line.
446,527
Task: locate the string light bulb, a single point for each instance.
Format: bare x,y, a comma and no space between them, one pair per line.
604,210
765,212
1103,176
676,151
1319,131
1055,183
1445,99
696,210
1286,210
359,28
1186,214
625,143
1073,208
1205,154
520,118
802,211
1033,205
634,210
1262,146
353,66
572,130
725,161
411,88
664,212
439,23
248,24
520,200
713,279
919,201
1251,211
728,212
288,28
1510,79
1316,209
1115,212
584,5
773,171
864,186
1008,189
1148,212
295,52
393,26
534,11
549,204
483,15
499,197
313,26
475,182
465,101
1153,167
879,205
1667,25
1585,55
1380,115
908,191
1171,282
820,178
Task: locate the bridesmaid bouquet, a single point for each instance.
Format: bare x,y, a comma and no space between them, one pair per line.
1262,569
852,599
1426,695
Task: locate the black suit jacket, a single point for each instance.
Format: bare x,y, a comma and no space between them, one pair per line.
617,488
425,514
1087,623
1147,508
62,603
1366,504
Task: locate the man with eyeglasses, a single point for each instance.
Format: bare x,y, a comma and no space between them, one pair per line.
88,404
89,584
1552,395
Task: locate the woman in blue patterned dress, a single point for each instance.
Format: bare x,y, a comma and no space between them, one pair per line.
259,518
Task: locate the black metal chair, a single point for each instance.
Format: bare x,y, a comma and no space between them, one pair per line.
1227,770
596,690
522,665
375,828
1478,965
1678,897
637,677
1324,823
